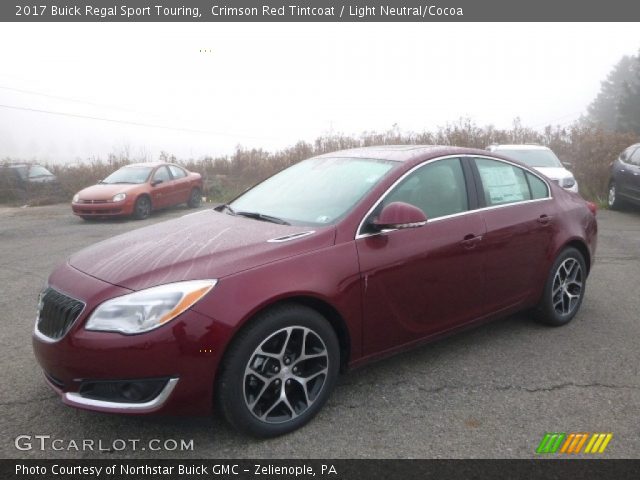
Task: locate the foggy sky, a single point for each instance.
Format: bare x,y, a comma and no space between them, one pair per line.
215,86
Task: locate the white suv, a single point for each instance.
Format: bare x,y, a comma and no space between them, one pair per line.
542,159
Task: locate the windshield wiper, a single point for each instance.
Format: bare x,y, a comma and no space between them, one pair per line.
263,217
227,207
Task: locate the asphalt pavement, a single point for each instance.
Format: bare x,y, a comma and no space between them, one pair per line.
491,392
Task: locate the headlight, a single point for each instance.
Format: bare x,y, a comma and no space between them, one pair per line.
119,197
148,309
567,182
76,198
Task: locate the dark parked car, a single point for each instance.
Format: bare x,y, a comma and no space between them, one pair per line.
331,263
624,185
21,181
137,190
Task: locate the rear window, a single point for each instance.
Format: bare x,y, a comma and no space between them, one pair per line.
532,158
502,183
539,189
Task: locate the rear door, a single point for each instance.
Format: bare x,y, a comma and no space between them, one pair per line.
182,184
519,215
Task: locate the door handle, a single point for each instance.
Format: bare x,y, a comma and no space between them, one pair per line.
471,240
544,219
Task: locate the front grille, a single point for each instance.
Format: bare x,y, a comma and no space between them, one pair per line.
94,201
57,312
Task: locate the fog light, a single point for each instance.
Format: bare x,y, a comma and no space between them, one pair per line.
123,391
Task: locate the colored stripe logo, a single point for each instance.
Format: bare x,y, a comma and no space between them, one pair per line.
574,442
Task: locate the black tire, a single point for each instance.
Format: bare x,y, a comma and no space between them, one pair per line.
195,198
614,201
87,218
242,397
564,290
142,207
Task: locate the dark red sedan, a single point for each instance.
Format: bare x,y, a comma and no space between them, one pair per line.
137,190
256,306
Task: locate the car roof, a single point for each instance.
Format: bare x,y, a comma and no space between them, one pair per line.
147,164
403,153
21,165
525,146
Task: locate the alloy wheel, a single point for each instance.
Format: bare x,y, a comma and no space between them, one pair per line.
612,195
285,374
567,286
143,207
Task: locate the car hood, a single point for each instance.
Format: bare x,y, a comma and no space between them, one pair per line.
205,244
105,191
554,173
43,179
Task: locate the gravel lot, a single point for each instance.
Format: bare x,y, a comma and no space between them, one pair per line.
490,392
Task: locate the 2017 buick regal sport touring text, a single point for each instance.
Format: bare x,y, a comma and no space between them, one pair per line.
254,307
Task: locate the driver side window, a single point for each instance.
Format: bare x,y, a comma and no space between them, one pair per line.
438,189
162,174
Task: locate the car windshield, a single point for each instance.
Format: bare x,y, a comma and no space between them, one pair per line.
317,191
39,171
533,158
129,175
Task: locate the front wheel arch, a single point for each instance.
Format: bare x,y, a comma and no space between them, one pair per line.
328,311
225,386
135,203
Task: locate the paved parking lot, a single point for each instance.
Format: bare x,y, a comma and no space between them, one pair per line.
490,392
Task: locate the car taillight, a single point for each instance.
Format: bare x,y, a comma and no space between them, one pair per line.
593,208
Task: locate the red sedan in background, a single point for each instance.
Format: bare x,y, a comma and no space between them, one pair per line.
256,306
137,190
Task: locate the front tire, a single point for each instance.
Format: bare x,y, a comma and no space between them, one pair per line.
279,371
142,207
613,199
564,290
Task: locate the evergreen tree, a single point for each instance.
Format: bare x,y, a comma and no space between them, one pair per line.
617,106
628,106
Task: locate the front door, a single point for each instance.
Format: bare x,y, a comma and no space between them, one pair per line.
423,280
161,188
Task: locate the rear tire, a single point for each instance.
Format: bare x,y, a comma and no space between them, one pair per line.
279,371
142,207
195,199
564,290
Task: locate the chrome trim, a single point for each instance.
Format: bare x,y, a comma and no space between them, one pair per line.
290,237
76,399
445,217
42,336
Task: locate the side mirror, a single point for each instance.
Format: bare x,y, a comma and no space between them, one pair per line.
399,215
567,164
156,182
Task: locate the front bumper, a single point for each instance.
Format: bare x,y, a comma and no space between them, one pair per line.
108,209
183,351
